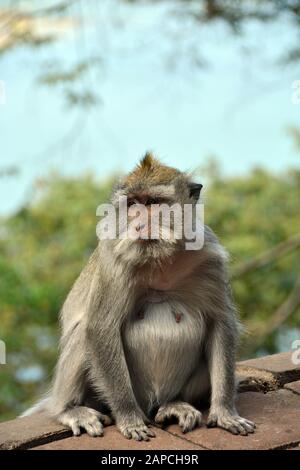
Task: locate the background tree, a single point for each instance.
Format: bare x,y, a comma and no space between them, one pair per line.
44,245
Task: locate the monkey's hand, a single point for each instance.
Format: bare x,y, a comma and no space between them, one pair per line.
229,420
134,427
90,420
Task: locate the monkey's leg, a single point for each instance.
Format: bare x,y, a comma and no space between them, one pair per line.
221,361
69,386
108,371
87,418
110,378
188,417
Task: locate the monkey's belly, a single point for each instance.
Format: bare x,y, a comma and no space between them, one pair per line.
163,348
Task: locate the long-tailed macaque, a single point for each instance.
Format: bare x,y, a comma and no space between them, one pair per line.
149,328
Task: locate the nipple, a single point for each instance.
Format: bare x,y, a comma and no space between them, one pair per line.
178,317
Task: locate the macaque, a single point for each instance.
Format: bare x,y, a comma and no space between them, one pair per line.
149,328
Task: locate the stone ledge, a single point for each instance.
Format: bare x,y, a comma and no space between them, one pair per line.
276,412
113,440
276,415
267,373
22,433
251,380
293,386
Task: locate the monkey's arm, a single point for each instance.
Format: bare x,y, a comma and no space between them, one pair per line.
221,363
110,303
70,375
69,382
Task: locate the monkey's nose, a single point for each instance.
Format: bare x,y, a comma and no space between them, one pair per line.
140,227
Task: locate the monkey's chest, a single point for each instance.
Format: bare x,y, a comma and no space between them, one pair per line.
163,345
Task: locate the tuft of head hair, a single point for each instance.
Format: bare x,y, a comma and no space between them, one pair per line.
148,161
151,171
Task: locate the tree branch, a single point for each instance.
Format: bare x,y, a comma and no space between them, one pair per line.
268,256
281,314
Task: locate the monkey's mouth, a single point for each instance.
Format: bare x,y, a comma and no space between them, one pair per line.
147,241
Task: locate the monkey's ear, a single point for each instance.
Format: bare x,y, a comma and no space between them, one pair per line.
195,189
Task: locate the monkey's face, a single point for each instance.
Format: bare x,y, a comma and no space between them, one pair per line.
147,225
150,223
150,204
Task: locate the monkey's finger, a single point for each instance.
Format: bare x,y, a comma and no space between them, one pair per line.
199,419
191,422
234,425
75,429
242,430
159,418
90,429
232,428
212,422
93,430
126,433
136,435
150,433
249,423
105,419
185,421
144,436
188,423
248,427
98,428
164,415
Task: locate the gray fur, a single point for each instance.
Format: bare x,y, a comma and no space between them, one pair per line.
111,357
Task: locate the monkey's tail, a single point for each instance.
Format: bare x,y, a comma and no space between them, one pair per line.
42,405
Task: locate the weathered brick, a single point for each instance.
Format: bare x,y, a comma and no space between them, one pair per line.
113,440
293,386
268,373
276,414
27,432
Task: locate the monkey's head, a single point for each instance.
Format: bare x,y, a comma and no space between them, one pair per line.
150,202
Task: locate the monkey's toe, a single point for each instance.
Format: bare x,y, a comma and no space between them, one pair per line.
94,429
231,422
187,416
137,432
190,421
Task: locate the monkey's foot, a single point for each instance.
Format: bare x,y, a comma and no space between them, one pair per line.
188,417
135,430
90,420
230,421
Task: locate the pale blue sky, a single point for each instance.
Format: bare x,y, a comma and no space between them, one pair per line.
154,97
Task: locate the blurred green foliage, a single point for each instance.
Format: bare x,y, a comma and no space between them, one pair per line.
44,246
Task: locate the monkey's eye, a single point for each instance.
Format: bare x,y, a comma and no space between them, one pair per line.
130,202
152,200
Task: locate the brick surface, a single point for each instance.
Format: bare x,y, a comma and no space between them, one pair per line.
27,432
276,414
293,386
254,380
113,440
275,370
